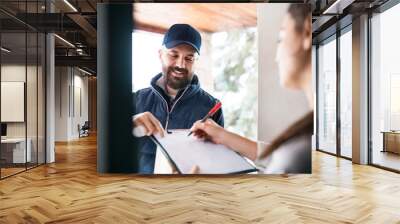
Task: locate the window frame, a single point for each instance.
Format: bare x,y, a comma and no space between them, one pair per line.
334,36
378,10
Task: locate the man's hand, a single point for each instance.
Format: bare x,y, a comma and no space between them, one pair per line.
195,170
150,124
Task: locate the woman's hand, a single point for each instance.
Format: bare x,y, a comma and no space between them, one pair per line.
209,130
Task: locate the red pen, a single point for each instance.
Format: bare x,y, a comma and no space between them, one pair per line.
210,113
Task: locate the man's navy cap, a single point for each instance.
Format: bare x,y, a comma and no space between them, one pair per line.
182,34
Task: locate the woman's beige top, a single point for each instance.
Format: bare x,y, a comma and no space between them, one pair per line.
294,156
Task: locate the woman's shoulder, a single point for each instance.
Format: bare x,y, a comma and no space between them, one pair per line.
292,156
298,141
290,152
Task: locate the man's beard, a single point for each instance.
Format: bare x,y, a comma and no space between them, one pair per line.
178,82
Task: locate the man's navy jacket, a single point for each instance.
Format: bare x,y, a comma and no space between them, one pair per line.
190,105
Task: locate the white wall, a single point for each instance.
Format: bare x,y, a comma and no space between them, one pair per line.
17,73
278,107
203,67
33,126
79,117
70,83
14,73
61,103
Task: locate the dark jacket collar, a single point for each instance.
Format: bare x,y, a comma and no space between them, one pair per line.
192,88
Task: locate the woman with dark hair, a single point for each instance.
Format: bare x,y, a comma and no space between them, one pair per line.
290,152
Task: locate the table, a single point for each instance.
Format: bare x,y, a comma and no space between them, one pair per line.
13,150
391,141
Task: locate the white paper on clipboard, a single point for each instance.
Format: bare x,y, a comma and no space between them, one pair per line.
185,151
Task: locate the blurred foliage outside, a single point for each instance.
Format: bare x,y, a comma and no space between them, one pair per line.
234,56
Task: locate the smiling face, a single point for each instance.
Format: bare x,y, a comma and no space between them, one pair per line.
294,50
177,65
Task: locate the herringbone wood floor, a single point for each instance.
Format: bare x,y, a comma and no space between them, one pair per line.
70,191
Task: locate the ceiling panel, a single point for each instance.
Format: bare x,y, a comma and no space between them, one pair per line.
207,17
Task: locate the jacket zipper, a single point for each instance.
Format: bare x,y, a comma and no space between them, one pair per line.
166,104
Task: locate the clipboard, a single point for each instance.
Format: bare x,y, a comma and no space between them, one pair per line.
204,154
